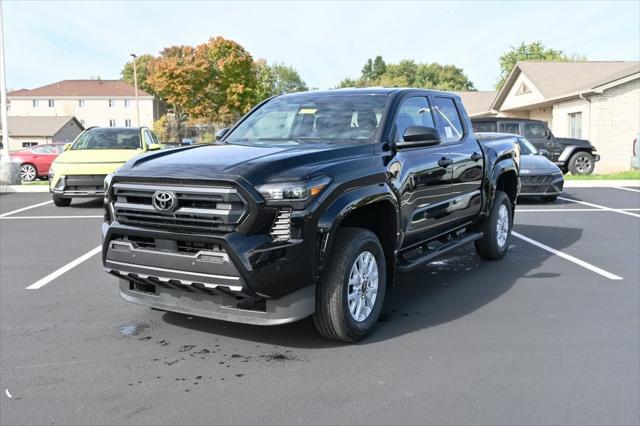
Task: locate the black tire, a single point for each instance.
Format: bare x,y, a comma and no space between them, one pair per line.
60,201
28,172
488,246
332,317
550,198
582,163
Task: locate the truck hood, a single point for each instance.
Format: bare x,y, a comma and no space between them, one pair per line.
537,164
97,156
255,163
575,142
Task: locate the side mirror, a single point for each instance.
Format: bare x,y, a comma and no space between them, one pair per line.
220,133
154,147
67,146
547,134
417,136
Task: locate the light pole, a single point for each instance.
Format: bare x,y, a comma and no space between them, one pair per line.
135,83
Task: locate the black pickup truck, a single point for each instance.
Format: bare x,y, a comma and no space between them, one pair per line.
310,205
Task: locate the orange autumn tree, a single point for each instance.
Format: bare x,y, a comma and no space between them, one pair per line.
214,81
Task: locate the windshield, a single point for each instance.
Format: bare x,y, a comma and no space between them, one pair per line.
311,118
526,147
108,139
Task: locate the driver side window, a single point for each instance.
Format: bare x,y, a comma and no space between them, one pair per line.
414,111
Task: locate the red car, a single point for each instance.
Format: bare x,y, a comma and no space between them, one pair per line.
36,160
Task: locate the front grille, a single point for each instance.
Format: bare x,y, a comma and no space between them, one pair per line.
206,209
536,179
537,189
93,183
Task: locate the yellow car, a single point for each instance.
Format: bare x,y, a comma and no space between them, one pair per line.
98,151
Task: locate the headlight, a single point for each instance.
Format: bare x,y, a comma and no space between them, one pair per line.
287,192
525,171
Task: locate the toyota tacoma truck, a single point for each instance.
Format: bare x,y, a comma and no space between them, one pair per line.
311,204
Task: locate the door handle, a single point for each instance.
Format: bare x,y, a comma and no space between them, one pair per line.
445,162
475,156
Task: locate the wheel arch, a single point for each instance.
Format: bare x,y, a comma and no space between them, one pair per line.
503,178
374,208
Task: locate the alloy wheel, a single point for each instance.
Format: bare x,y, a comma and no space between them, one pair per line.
363,286
502,226
28,173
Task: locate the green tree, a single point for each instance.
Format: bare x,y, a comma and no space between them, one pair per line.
277,79
408,73
535,51
142,69
373,69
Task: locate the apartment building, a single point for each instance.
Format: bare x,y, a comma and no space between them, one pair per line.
105,103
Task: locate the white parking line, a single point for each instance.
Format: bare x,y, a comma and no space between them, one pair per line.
599,206
568,257
55,274
50,217
25,208
626,189
570,210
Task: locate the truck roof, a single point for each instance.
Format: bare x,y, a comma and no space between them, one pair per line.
479,119
372,91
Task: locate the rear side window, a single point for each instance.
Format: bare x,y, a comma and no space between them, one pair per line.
449,118
414,111
487,126
507,127
534,130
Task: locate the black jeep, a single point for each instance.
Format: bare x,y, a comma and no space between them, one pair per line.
571,155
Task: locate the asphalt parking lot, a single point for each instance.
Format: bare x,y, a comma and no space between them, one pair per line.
549,335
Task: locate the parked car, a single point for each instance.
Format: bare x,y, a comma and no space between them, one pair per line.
309,206
539,176
635,154
36,160
96,152
577,156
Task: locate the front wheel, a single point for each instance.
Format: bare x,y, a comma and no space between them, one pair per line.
349,298
28,172
496,229
582,163
60,201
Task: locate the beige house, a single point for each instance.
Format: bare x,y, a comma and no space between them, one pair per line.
105,103
29,131
598,101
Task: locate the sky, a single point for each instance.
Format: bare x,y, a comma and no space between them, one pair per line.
324,41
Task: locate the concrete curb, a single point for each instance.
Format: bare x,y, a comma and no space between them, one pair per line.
601,183
24,188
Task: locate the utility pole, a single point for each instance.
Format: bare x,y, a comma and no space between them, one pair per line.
3,96
135,83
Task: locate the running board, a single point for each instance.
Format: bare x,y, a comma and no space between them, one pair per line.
431,255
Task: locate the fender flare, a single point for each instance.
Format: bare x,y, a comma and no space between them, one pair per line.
569,150
506,165
347,202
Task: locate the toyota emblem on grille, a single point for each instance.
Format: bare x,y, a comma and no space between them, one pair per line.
164,201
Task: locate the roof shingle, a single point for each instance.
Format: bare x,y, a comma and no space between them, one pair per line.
81,88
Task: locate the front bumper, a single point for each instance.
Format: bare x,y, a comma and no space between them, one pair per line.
541,185
78,185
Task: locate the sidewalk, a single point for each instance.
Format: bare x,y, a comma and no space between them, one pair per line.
24,188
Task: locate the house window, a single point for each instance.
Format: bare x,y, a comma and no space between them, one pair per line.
29,144
126,102
51,103
34,103
112,123
80,102
111,103
127,122
575,125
